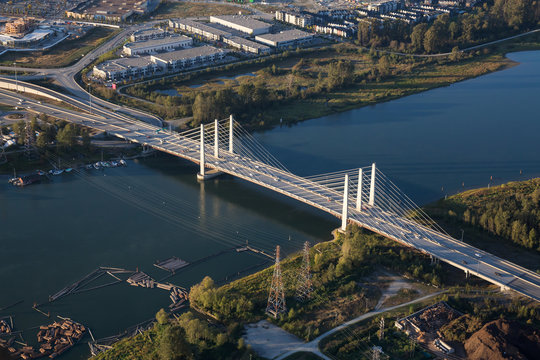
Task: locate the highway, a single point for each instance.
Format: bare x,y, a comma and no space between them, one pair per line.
66,76
461,255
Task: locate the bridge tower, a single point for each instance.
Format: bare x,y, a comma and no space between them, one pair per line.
304,285
201,174
359,192
372,187
216,138
276,299
345,211
231,134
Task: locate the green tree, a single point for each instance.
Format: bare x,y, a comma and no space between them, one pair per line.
417,36
172,344
66,136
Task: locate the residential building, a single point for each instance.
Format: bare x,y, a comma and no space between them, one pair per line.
285,38
245,24
167,43
296,18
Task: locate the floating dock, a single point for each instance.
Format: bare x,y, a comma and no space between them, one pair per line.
172,264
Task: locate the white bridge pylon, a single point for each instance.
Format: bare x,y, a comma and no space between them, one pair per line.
224,146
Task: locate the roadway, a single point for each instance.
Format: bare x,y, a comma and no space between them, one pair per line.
461,255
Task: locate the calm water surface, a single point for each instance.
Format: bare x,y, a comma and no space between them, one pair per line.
53,234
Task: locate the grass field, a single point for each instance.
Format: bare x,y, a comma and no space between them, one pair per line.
61,55
169,10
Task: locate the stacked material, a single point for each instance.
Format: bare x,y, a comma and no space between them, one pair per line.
178,297
141,279
56,338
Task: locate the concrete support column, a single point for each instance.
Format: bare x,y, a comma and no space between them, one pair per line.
345,212
359,192
216,138
202,151
372,187
231,136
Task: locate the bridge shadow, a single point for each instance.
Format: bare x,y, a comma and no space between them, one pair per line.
251,197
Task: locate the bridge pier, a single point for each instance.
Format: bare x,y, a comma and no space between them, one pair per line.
372,187
345,211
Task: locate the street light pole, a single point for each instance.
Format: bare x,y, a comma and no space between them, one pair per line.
16,82
90,95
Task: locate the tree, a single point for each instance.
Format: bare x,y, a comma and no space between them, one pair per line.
86,141
417,36
383,66
172,344
66,136
162,317
431,42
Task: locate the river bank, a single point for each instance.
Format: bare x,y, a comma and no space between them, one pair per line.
296,92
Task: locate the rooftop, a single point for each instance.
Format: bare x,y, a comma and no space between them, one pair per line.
157,42
187,53
148,31
242,20
125,63
287,35
253,44
35,35
203,27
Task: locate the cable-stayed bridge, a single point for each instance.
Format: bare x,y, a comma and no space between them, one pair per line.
364,196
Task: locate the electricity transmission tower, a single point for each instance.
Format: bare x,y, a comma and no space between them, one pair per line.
29,139
304,285
376,353
276,298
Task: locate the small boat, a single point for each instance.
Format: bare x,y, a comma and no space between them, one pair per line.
106,164
57,172
122,162
97,166
41,172
89,166
69,169
114,163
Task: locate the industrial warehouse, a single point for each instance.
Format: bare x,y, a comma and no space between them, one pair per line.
242,23
167,43
285,38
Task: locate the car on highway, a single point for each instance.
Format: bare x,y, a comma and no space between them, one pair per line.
477,255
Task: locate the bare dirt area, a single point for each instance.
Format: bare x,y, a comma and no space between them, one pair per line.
396,289
502,339
269,340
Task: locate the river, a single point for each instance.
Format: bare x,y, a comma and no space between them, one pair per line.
53,234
